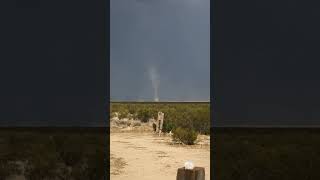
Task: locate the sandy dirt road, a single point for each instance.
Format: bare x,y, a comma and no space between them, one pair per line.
145,156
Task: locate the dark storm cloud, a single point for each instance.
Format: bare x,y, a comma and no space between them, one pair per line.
53,66
169,36
266,67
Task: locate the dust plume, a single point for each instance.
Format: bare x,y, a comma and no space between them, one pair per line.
155,81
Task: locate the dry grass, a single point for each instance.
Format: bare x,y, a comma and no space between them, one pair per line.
117,165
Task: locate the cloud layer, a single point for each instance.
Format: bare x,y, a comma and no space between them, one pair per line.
169,37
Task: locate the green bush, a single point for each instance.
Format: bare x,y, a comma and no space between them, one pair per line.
185,115
186,136
123,114
145,114
168,126
201,120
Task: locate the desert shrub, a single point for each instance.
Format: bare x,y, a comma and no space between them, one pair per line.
41,165
96,167
92,168
186,115
42,160
144,114
52,155
71,157
122,122
201,120
186,119
136,123
113,114
168,126
135,116
132,109
14,145
186,136
123,114
64,173
266,154
130,116
8,168
69,149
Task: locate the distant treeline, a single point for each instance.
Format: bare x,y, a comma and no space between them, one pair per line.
195,116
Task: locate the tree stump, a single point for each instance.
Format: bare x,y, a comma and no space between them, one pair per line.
197,173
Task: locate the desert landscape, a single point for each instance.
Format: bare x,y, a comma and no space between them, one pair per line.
56,153
138,152
266,153
147,156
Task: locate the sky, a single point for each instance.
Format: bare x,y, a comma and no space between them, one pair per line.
265,69
266,63
53,66
160,49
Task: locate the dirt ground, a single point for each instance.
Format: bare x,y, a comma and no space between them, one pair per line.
145,156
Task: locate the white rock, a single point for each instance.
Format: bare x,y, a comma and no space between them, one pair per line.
114,119
188,165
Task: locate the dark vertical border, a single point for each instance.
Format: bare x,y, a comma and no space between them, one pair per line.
212,94
107,98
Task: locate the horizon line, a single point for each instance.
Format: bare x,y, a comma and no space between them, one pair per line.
151,101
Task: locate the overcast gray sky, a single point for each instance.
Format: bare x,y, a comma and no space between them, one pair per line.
160,48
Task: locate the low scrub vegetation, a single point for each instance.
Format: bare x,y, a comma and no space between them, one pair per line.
256,153
60,154
193,116
186,136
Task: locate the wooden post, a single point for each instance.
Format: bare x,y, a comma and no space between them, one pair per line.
197,173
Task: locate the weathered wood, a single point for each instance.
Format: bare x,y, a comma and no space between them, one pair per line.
197,173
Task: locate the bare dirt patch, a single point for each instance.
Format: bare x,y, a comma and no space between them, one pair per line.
145,156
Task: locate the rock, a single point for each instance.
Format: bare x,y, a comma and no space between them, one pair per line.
114,119
188,165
